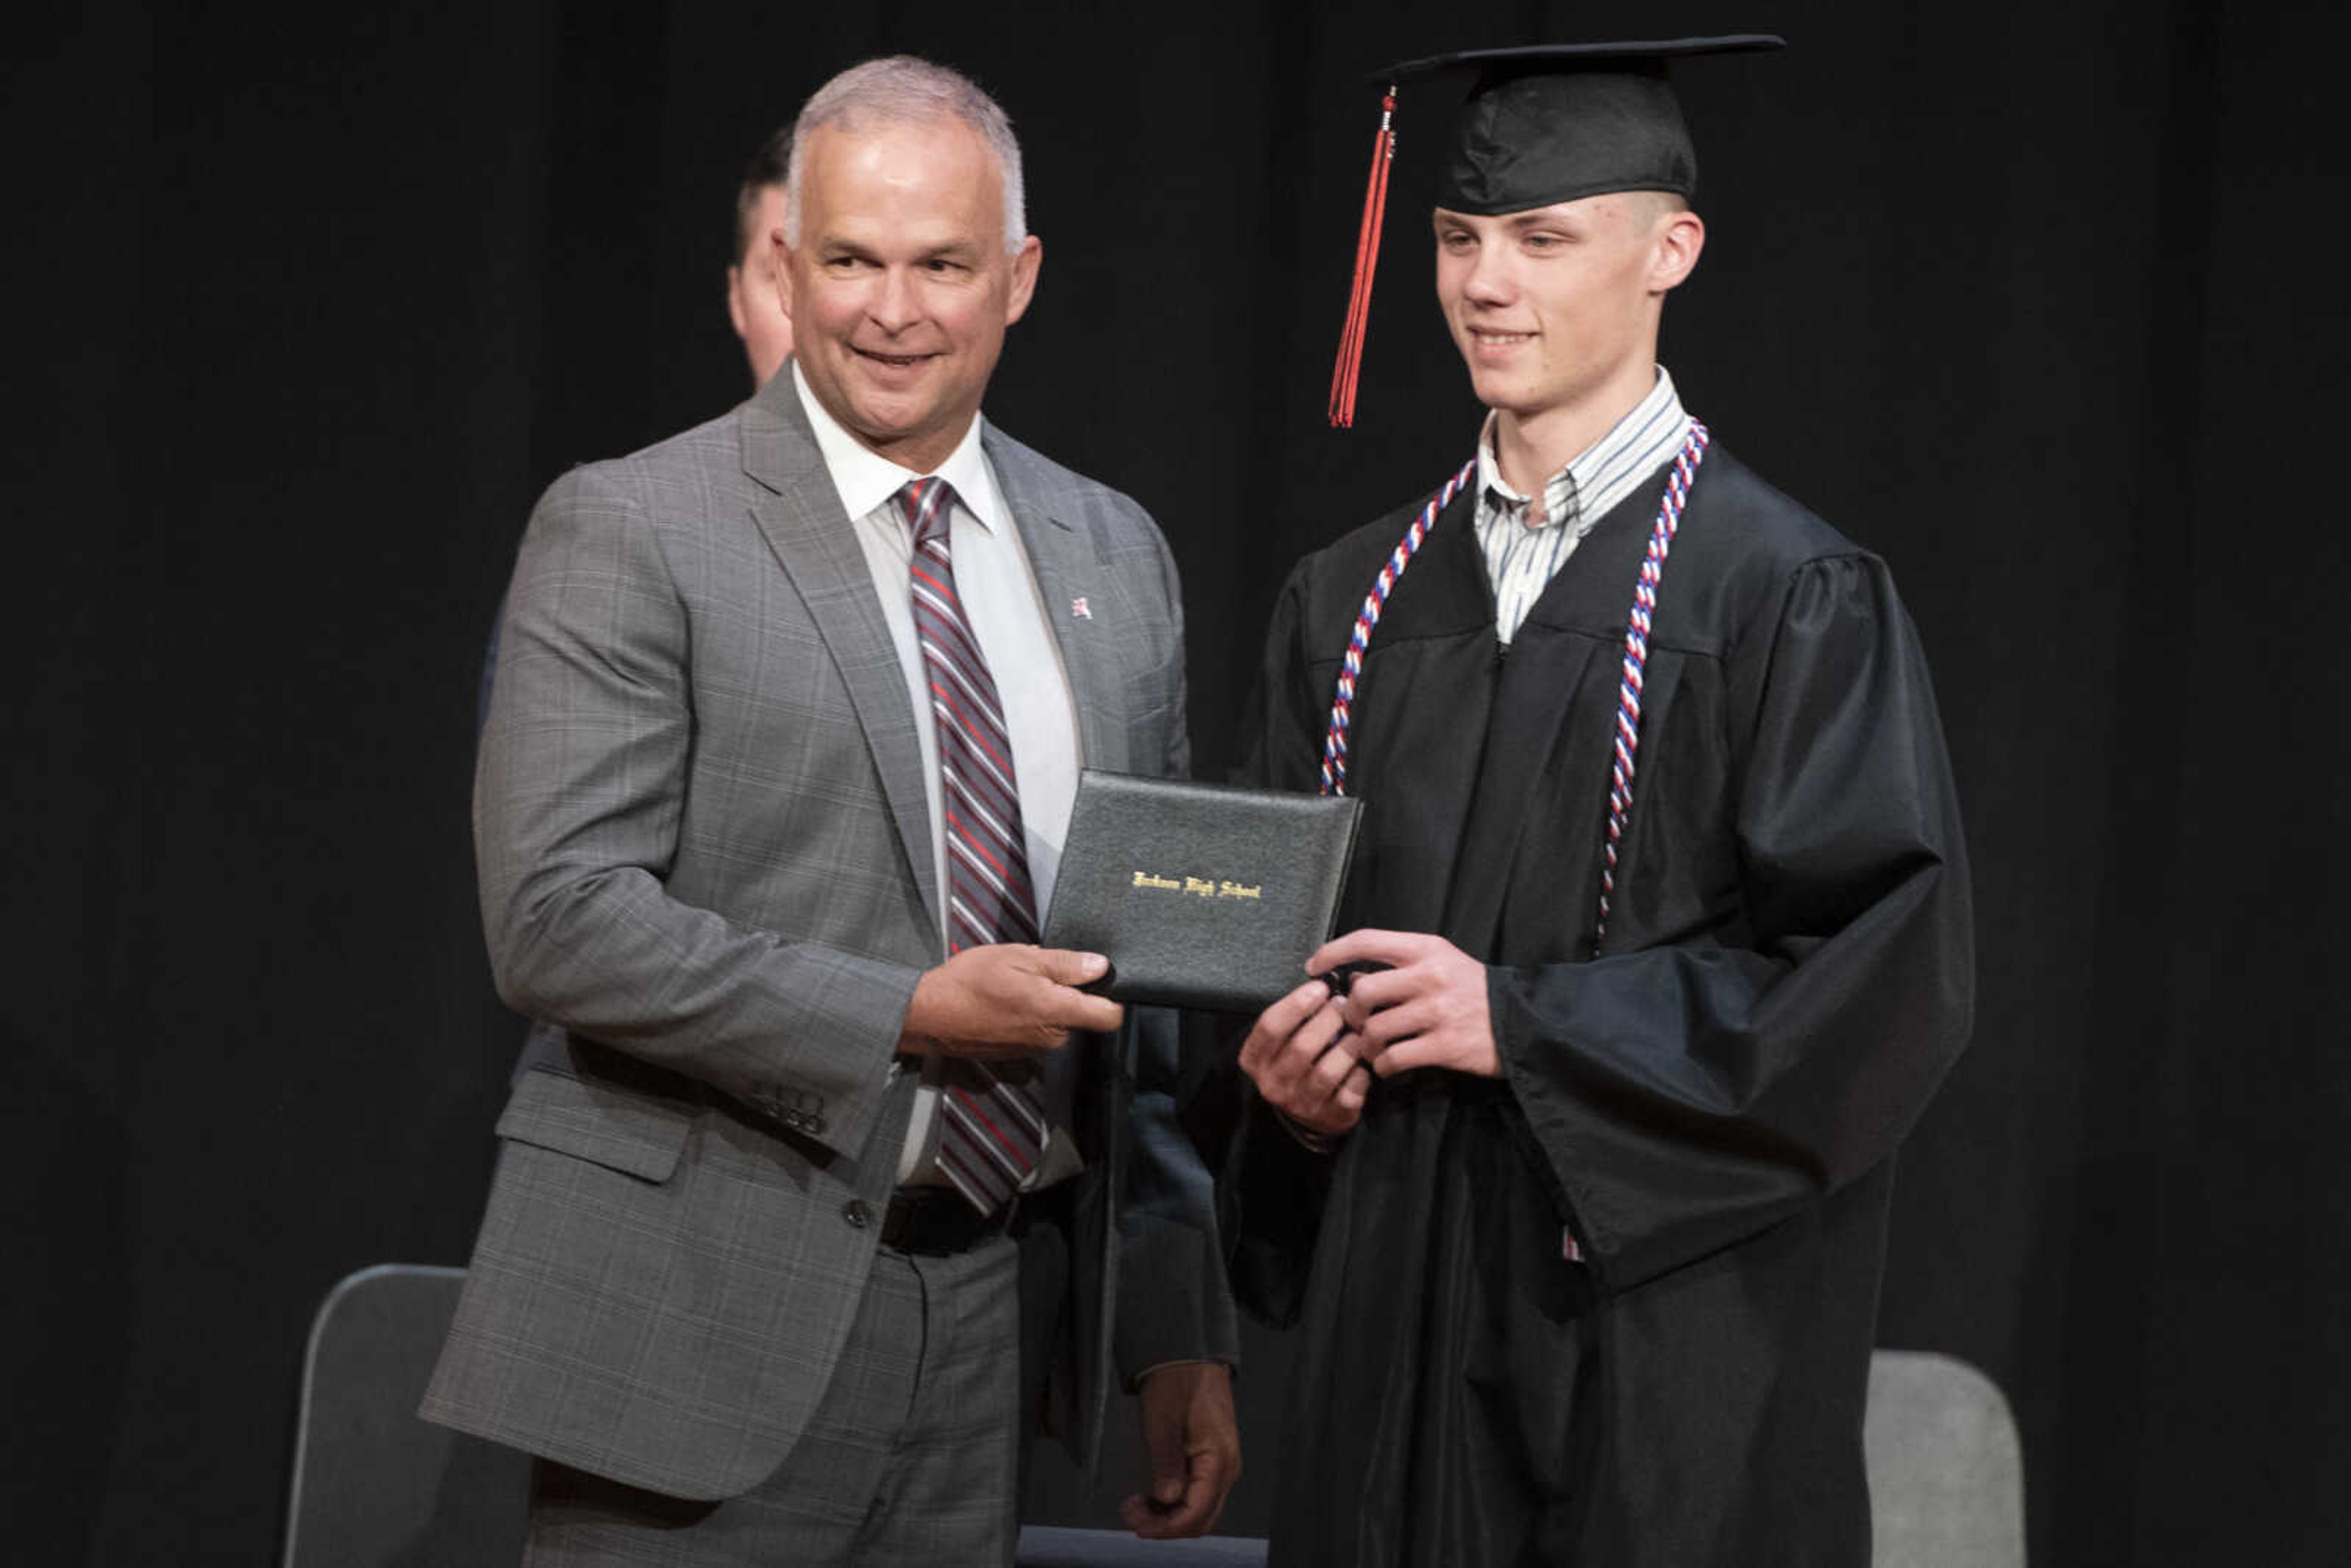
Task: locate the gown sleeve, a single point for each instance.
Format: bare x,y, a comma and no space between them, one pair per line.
1688,1096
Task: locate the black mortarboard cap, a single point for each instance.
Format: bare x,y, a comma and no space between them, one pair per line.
1557,122
1543,123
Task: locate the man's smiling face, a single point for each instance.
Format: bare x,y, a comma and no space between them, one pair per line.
901,286
1557,306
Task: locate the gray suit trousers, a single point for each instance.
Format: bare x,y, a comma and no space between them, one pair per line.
910,1458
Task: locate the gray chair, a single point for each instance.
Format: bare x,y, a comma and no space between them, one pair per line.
374,1486
1946,1470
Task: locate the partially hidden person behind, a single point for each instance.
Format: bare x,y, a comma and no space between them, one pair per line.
824,1176
754,308
1658,939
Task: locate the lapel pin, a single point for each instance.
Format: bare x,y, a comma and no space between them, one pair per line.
1079,610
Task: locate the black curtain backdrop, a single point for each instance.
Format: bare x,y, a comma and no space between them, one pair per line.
2042,303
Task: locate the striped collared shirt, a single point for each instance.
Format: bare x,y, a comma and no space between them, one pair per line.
1521,558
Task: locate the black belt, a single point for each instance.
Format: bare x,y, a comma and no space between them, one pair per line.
939,1221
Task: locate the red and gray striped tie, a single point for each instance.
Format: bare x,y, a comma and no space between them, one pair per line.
992,1123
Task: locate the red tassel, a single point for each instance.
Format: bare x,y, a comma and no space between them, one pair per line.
1350,368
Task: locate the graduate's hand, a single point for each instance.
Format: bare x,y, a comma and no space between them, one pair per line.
1195,1446
1296,1057
1006,999
1426,1008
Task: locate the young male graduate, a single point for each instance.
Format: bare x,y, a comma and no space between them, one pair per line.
1659,923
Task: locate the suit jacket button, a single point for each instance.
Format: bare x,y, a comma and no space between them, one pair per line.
813,1124
856,1212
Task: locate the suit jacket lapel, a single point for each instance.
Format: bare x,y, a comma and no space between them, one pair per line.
1062,556
815,544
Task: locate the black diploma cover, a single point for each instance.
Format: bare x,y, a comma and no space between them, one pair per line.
1199,895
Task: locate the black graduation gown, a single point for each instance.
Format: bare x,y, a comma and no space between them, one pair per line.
1710,1103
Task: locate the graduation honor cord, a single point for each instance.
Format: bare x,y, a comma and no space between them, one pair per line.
1626,744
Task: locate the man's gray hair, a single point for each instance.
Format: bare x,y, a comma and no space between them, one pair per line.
903,90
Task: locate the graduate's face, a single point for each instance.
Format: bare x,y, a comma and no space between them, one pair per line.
753,301
1556,310
901,286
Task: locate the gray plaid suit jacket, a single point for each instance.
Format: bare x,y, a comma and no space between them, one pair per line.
705,856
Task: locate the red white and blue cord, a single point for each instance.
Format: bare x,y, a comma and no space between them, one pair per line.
1627,742
1636,661
1637,624
1334,735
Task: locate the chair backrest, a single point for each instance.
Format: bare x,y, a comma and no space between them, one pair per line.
374,1485
1946,1470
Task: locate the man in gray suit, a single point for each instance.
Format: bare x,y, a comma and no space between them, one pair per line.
794,1218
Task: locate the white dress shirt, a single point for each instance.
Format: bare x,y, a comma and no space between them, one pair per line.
1525,547
1007,611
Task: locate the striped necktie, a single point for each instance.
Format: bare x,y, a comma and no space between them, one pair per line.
992,1116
